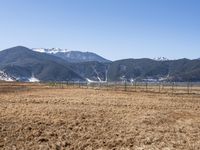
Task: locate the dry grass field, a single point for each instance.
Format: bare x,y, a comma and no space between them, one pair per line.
77,119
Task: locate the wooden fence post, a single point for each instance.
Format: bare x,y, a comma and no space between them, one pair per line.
146,86
67,84
125,86
173,88
159,87
135,86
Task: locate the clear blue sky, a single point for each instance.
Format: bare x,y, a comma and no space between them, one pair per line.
115,29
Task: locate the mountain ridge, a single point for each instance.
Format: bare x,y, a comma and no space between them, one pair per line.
23,64
73,56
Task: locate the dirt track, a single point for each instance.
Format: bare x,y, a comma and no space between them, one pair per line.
94,119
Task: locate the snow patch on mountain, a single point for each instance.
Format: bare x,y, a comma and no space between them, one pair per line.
92,81
50,50
161,59
5,77
33,79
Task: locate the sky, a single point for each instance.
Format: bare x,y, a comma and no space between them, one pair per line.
114,29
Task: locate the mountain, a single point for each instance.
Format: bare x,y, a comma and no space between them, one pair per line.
181,70
73,56
136,69
24,64
77,56
185,70
92,71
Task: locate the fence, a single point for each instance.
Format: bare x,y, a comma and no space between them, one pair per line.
157,87
173,88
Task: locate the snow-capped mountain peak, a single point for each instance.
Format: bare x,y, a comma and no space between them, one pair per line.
71,55
161,59
50,50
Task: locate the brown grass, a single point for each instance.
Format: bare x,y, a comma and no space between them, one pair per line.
71,118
